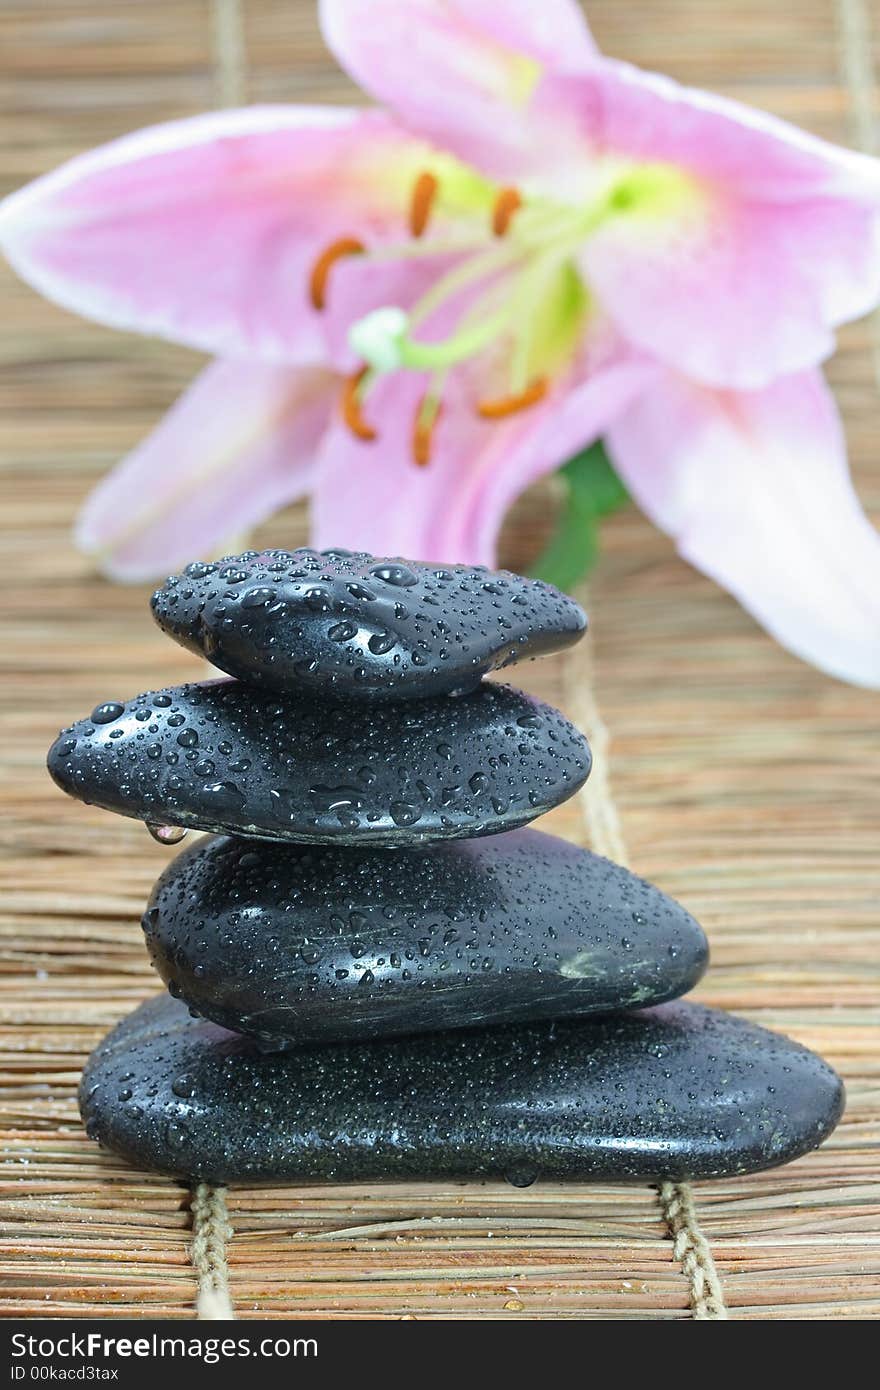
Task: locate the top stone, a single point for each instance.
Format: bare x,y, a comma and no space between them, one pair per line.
355,627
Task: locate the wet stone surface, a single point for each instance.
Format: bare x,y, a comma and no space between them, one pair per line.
674,1092
225,757
357,627
301,945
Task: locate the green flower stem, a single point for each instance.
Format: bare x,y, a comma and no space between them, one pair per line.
593,491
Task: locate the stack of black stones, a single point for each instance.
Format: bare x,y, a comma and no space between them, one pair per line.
374,970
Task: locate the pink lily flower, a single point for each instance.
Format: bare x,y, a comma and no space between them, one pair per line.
419,309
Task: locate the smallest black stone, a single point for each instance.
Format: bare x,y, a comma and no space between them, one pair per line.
355,627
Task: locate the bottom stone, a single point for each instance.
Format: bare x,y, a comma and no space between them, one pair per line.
678,1091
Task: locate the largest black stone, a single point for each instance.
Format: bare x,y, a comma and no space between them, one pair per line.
674,1092
357,627
224,756
300,944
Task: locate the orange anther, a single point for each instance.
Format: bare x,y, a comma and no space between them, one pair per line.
422,200
345,246
509,405
351,407
426,419
506,204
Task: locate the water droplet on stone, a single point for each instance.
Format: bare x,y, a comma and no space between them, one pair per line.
398,575
223,793
337,798
522,1177
361,593
166,834
257,598
107,713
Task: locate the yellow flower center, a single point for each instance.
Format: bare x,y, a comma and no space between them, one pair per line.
514,296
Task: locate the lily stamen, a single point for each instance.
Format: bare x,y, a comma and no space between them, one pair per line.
509,405
523,278
422,201
507,203
350,406
424,425
345,246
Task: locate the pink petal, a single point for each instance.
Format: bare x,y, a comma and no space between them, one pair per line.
372,495
619,109
741,269
564,424
206,230
755,490
460,72
239,444
737,293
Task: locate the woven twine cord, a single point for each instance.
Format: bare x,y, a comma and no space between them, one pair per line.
230,53
854,25
207,1251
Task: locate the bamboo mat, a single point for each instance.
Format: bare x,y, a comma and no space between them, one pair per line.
746,783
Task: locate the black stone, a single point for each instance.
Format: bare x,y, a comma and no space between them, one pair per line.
356,627
302,945
675,1092
227,757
